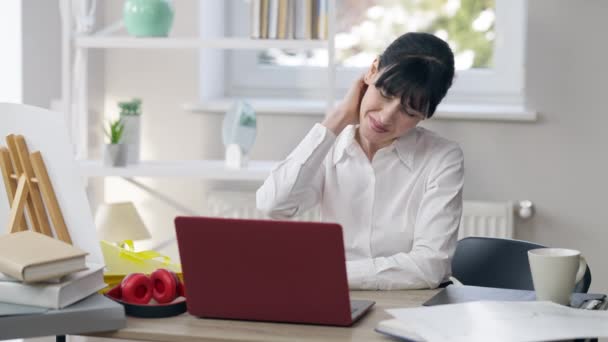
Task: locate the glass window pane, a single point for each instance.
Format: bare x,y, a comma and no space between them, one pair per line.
365,27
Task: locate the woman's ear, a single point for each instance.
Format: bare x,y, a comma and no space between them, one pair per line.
370,75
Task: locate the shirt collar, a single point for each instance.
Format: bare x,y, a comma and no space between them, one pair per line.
345,143
404,147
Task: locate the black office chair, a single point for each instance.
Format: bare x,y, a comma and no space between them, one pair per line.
500,263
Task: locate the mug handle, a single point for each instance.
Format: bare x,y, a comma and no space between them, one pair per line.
456,281
582,268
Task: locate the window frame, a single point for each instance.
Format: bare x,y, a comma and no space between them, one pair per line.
501,85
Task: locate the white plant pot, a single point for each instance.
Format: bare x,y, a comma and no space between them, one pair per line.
131,137
115,155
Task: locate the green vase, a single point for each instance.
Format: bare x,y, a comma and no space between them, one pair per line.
148,18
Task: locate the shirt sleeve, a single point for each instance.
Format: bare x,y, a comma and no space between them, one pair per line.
436,231
295,185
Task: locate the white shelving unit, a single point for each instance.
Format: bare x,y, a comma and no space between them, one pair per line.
75,59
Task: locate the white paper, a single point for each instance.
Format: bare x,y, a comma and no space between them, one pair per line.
503,321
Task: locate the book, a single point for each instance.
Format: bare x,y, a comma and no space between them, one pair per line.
7,309
71,289
29,256
291,11
256,16
303,19
322,13
282,19
95,313
273,19
6,277
314,18
264,19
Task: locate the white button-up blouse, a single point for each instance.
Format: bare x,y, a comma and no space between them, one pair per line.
400,212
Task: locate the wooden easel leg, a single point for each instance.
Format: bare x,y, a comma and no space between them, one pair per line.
9,183
35,200
11,141
18,205
48,194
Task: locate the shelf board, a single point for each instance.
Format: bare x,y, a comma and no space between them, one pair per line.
317,107
485,112
127,42
261,105
206,169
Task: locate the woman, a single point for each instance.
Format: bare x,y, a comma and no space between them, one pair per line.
395,188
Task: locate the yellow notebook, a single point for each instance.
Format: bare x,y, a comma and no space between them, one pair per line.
29,256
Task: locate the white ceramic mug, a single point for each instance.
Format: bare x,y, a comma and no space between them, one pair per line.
555,272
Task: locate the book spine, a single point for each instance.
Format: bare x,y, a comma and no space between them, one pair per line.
273,19
282,19
302,19
291,10
11,269
264,19
256,15
322,19
33,295
70,296
315,19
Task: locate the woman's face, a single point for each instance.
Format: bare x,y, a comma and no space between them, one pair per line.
383,119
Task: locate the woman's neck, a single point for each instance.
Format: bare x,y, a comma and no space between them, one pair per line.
368,148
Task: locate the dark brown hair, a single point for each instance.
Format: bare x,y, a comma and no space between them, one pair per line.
419,68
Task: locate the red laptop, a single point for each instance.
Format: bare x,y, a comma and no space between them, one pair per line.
280,271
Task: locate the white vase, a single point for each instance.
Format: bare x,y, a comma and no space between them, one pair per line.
115,155
131,137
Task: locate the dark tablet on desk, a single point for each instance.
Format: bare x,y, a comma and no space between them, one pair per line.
463,293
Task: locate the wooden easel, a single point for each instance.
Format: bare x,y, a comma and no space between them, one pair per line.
28,186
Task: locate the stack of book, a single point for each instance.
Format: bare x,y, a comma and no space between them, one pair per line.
289,19
37,270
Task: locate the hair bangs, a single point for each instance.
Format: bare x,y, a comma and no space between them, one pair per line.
413,80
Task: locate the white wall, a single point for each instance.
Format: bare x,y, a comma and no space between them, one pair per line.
41,52
10,59
558,162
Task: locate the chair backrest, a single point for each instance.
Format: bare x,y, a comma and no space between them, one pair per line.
500,263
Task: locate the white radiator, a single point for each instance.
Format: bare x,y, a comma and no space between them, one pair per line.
492,219
241,204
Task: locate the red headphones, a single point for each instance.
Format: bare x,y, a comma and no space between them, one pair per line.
162,285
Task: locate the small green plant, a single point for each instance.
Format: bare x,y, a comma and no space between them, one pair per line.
130,108
114,131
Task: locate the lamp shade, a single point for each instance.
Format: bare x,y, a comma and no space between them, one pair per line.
117,222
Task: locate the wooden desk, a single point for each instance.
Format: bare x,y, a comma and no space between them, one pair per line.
188,328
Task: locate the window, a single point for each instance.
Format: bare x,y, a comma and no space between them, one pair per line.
487,37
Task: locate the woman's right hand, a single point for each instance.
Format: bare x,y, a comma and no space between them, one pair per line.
346,112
